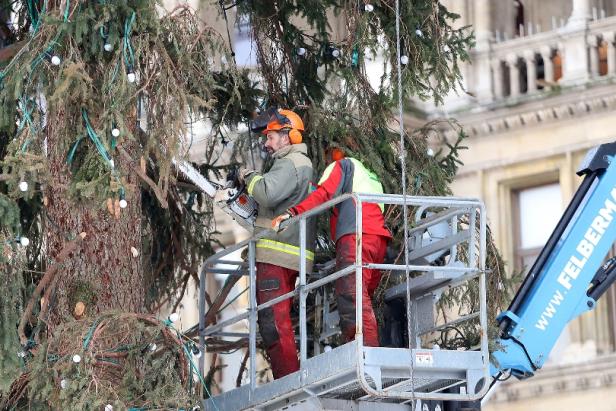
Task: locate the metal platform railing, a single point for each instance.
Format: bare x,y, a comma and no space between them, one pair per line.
445,229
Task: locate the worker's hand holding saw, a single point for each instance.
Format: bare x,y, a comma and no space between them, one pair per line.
279,220
243,174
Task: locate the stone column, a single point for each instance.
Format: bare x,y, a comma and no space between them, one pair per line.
548,66
514,75
611,52
576,69
497,76
531,71
580,13
593,43
481,58
481,21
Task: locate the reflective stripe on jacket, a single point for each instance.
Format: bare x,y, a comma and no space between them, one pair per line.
284,185
348,176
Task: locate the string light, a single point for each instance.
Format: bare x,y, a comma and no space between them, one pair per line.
63,384
404,59
430,152
76,358
173,317
153,347
123,202
369,8
115,132
55,60
24,241
108,47
418,33
301,51
131,77
108,407
23,186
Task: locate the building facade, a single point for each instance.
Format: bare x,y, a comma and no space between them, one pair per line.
540,92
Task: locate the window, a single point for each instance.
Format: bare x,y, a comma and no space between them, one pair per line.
537,210
518,12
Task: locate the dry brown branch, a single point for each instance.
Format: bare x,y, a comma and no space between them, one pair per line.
46,280
210,316
159,195
238,380
9,52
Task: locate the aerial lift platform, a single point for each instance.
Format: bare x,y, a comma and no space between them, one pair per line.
446,248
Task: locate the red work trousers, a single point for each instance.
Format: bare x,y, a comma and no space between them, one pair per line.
275,322
372,251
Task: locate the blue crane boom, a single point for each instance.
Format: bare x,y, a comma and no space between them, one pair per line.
569,275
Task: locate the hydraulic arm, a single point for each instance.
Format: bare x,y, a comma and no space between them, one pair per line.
569,275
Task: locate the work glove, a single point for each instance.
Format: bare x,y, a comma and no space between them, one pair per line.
243,174
278,220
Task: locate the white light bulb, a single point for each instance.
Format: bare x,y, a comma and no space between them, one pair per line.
131,77
23,186
123,203
418,33
115,132
24,241
21,354
430,152
108,47
404,60
446,48
55,60
63,384
173,317
327,348
112,163
153,347
76,358
335,53
108,407
369,8
301,51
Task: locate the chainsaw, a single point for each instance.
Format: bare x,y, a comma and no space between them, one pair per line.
238,204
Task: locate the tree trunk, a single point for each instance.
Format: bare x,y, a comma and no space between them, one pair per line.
103,273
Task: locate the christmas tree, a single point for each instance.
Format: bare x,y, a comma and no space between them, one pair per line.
95,225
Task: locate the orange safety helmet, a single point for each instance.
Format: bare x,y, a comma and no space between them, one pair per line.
337,154
334,153
286,120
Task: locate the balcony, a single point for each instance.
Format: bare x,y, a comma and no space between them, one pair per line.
579,53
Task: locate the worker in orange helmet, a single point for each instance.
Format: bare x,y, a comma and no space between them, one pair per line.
287,182
348,175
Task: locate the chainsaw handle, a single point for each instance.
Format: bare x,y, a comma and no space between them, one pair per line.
239,190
